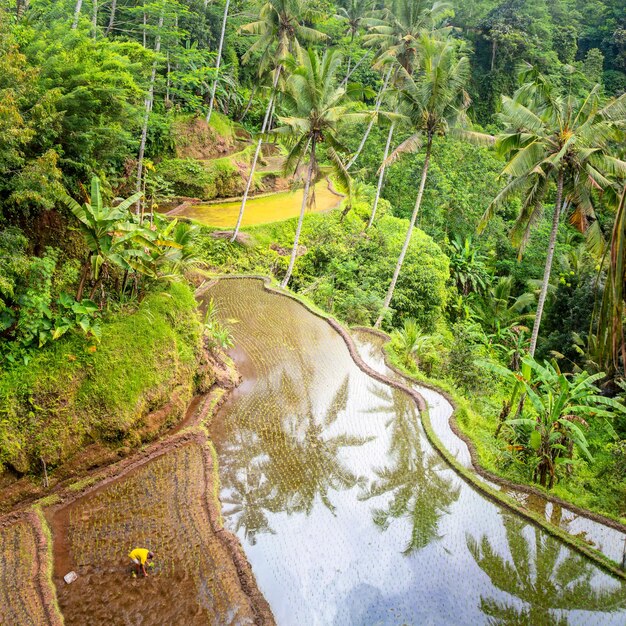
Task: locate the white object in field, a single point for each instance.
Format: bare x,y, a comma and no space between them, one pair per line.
70,577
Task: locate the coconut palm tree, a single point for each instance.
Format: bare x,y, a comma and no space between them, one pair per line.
434,102
554,140
218,61
610,334
280,29
354,14
316,112
395,33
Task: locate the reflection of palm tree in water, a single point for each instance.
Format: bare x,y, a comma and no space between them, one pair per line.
278,457
247,489
548,578
418,491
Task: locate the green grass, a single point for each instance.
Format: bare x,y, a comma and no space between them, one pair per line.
222,125
476,416
67,396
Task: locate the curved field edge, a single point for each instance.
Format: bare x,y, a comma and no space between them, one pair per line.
470,476
44,509
41,583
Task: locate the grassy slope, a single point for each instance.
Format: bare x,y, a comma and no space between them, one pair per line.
66,395
476,416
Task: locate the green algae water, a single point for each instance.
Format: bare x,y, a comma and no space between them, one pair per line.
347,514
271,208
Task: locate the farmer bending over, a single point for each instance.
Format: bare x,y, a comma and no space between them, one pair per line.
139,556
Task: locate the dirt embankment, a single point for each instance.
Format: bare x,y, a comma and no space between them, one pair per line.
165,496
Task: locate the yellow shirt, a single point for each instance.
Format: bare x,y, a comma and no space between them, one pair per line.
140,554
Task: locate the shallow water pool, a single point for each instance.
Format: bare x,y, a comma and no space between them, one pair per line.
347,514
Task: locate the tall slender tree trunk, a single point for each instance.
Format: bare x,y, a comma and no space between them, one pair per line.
111,18
22,7
249,104
77,7
548,267
268,112
351,71
379,101
305,197
494,46
407,240
145,26
168,82
218,62
94,19
381,175
148,109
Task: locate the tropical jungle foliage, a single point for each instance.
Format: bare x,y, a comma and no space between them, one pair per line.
479,147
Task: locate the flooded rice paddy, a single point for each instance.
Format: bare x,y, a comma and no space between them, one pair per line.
345,511
162,507
610,541
271,208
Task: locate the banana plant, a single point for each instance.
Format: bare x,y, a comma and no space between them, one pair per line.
560,406
99,225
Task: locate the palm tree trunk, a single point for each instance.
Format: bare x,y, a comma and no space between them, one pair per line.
270,106
77,7
407,241
381,175
351,71
148,109
305,197
217,64
548,268
94,19
22,7
249,104
145,26
111,18
379,101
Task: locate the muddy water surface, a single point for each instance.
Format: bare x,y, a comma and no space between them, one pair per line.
347,514
271,208
162,507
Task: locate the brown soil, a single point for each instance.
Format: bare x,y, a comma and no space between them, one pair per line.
178,514
196,140
25,595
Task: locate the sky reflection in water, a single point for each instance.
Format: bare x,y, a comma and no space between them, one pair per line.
347,514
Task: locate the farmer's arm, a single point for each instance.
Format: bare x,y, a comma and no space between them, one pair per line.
143,567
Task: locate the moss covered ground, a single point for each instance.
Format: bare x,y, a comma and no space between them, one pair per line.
68,395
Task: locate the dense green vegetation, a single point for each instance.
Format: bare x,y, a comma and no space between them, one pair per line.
479,146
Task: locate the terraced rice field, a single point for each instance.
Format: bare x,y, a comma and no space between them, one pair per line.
347,514
162,507
271,208
608,540
22,584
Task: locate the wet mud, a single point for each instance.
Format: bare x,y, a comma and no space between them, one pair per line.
161,506
25,595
